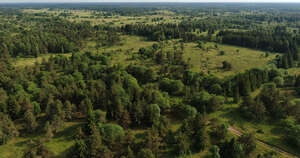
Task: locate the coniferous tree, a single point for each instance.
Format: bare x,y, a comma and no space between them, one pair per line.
30,120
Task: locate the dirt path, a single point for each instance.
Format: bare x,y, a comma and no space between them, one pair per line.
284,153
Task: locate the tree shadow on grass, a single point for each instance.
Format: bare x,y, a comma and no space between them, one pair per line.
68,132
64,154
20,144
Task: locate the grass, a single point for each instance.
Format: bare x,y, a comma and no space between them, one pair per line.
99,18
23,62
294,71
271,132
58,145
118,52
122,53
240,58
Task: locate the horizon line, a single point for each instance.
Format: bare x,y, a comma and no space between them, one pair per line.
143,2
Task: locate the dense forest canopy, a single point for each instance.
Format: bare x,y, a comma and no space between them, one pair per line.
149,80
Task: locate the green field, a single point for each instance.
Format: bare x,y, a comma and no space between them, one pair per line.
59,144
155,70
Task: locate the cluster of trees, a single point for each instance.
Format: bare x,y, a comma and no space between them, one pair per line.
111,100
33,44
52,35
87,86
184,30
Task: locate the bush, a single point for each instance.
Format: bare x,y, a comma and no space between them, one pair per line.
111,133
278,81
216,89
145,153
222,52
185,111
100,116
226,65
173,87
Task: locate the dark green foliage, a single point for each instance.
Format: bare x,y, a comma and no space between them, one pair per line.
131,108
49,131
100,116
195,129
232,149
182,145
216,89
226,66
200,101
37,149
253,109
292,129
214,152
173,87
219,132
30,121
248,143
7,129
142,74
152,114
271,154
111,133
270,97
278,81
145,153
206,103
185,111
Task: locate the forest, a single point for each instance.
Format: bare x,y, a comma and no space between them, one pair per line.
141,80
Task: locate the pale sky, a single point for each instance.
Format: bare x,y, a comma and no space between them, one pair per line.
64,1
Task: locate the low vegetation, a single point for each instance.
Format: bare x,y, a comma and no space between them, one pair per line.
151,81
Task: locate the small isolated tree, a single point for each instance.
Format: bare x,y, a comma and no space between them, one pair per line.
145,153
68,110
214,150
278,81
100,116
152,114
232,149
216,89
200,45
222,52
182,145
30,120
219,132
48,130
226,65
248,142
36,108
216,46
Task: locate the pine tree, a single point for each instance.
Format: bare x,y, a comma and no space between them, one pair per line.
68,110
215,152
48,130
30,120
236,95
95,142
130,153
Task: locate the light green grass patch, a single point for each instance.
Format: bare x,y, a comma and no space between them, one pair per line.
240,58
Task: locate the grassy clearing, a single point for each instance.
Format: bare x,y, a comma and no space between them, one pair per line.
294,71
240,58
123,52
202,60
209,60
22,62
58,145
271,133
98,18
120,53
